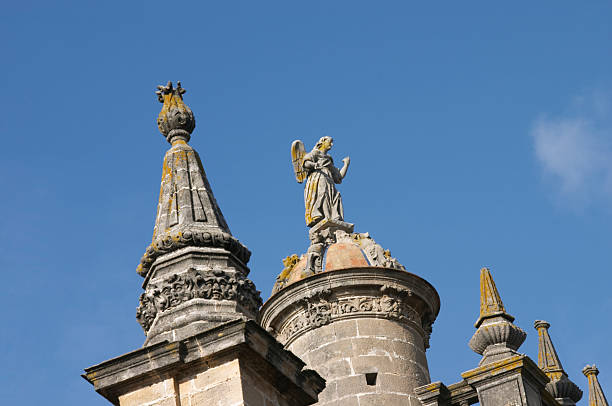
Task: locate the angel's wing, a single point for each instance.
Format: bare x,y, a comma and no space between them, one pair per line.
297,158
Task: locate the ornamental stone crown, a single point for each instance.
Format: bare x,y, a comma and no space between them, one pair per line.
175,120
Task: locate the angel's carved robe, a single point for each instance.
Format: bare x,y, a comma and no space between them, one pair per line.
321,198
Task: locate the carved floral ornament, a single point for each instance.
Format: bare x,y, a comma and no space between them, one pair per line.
209,284
177,239
319,308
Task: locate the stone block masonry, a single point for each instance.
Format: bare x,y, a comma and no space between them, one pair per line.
237,363
365,330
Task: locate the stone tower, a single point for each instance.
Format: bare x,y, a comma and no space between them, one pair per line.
346,307
202,346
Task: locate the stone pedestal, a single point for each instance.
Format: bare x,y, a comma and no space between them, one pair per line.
192,290
365,330
236,363
515,381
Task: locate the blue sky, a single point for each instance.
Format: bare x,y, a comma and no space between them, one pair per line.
479,134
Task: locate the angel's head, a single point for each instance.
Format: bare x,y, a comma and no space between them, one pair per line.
325,144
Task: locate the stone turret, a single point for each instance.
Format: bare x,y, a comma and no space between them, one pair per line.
565,391
596,395
347,307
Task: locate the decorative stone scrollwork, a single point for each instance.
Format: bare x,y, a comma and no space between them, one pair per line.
427,324
316,313
191,238
210,284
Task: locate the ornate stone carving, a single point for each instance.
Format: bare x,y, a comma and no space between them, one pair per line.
178,238
175,118
321,198
318,310
289,263
427,324
210,284
496,336
377,256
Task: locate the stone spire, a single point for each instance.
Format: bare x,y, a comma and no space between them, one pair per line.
596,395
496,337
194,269
187,212
565,391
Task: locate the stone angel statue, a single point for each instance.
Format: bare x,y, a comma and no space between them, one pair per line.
321,198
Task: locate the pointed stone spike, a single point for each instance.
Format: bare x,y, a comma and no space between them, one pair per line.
560,386
548,360
496,338
596,395
491,304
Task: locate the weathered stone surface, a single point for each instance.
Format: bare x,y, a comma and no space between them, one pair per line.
237,361
352,322
344,255
342,249
514,380
322,200
202,297
560,387
496,338
195,270
504,377
596,394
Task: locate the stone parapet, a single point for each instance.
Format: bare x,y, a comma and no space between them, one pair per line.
365,330
237,363
514,381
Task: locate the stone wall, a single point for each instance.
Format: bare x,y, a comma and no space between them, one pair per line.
348,353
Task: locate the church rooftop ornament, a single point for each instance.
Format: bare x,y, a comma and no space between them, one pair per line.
596,394
333,243
565,391
175,120
194,269
496,337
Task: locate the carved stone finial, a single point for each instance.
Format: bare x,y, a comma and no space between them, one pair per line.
496,337
175,120
562,389
596,395
491,304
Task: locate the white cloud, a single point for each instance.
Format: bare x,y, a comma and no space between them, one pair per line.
575,150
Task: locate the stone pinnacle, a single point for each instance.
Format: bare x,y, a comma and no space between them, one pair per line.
564,390
596,395
496,337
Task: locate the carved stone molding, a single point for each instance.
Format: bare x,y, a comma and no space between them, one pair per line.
209,284
177,239
317,311
352,293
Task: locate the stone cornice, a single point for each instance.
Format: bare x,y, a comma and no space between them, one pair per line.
250,342
351,293
508,366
